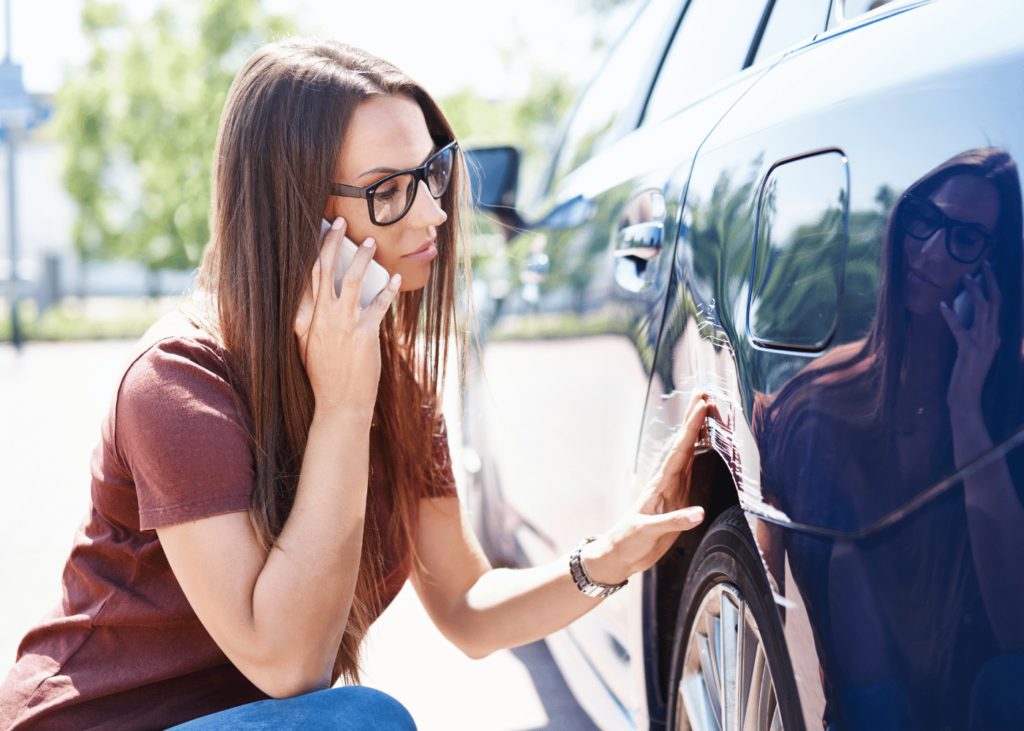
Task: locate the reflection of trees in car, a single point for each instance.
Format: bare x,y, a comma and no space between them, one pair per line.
793,293
717,240
863,249
710,226
796,279
917,618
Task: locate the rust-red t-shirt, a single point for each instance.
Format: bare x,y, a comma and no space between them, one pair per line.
124,651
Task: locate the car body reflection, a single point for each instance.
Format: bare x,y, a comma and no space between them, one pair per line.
910,613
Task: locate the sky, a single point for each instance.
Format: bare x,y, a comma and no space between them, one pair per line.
447,45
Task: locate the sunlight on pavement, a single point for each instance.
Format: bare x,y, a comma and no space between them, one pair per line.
406,657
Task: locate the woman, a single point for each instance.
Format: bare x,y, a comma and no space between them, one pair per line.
920,617
275,466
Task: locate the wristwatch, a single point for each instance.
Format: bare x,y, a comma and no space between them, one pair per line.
583,582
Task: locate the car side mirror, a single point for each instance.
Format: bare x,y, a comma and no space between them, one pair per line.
494,177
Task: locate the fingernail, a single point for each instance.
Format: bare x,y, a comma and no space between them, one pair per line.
369,243
943,305
338,222
697,515
396,281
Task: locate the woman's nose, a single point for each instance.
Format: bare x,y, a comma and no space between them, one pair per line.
934,247
426,210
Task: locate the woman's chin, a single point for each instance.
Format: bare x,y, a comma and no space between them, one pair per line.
414,278
921,306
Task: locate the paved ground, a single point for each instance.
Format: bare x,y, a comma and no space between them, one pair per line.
52,397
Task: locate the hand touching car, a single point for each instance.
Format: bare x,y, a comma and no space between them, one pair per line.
649,528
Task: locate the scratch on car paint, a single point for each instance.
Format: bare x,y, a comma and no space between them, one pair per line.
783,601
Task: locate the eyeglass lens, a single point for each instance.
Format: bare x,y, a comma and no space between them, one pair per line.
395,195
922,219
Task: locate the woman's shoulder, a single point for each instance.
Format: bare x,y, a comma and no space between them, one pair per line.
180,428
179,376
177,357
179,334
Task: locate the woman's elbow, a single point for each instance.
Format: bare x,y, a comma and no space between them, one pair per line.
471,644
288,677
474,652
290,684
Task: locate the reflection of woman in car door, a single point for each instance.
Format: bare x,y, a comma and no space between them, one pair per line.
919,622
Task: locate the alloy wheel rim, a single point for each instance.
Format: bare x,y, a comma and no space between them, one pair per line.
726,684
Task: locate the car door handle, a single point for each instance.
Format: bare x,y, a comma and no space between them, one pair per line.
640,241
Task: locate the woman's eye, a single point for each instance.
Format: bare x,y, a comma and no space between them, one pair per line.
927,217
968,238
386,192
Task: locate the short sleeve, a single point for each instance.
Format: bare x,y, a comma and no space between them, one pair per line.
442,478
180,435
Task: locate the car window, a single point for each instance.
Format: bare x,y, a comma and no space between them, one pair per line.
853,8
599,119
712,42
792,21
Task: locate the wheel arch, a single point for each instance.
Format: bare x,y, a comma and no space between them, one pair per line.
712,486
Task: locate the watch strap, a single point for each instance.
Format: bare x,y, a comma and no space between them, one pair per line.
583,582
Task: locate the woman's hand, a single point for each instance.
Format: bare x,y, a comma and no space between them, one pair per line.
650,526
976,347
340,343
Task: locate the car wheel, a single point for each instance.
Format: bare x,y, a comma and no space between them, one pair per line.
730,668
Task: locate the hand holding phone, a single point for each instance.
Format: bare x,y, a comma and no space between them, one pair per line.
963,305
375,279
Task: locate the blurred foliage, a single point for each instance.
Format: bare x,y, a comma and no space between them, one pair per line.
529,122
139,121
74,319
474,117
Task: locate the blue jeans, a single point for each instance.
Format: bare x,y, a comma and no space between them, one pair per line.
350,708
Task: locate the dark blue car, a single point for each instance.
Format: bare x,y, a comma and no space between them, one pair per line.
811,210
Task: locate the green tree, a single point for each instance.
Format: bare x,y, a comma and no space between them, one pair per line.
139,122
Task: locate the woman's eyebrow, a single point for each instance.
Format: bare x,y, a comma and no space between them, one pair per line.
434,148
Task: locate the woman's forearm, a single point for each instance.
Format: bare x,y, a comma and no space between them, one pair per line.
481,609
995,521
303,594
512,607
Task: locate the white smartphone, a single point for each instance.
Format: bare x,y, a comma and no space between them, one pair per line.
963,305
375,279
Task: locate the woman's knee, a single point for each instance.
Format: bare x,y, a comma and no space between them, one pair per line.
996,698
350,708
368,708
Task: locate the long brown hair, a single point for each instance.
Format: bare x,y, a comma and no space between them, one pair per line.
279,141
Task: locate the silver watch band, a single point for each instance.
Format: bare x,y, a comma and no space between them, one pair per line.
583,582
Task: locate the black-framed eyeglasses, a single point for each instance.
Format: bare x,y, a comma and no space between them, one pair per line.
965,242
392,196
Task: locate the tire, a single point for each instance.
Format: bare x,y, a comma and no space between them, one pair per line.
753,680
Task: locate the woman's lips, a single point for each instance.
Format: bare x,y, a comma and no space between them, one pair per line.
916,278
427,252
